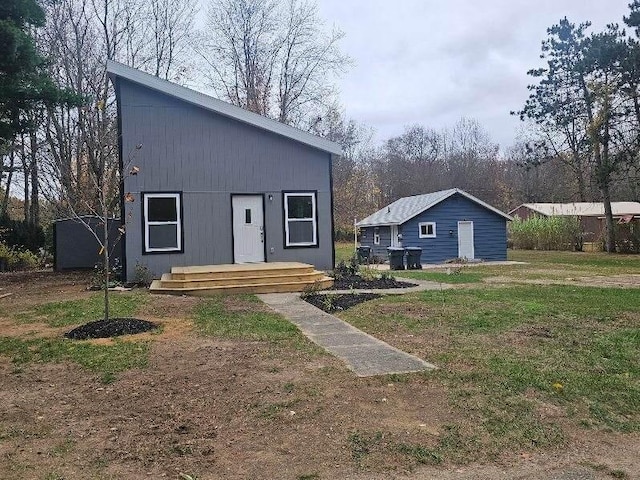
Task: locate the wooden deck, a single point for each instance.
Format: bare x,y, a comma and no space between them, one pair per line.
275,277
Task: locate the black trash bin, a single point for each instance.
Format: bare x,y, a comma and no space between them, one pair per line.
413,258
364,254
396,258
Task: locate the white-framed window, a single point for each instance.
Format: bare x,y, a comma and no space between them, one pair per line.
300,219
376,236
162,222
427,230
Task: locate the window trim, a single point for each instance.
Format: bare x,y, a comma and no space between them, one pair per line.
421,224
179,222
376,236
314,219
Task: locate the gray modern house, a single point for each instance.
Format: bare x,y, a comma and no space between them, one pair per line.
208,183
447,224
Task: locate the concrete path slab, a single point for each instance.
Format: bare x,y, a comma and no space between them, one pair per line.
364,355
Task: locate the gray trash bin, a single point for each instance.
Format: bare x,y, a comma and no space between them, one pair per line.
413,258
396,258
364,254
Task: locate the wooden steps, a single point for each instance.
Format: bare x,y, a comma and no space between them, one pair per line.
276,277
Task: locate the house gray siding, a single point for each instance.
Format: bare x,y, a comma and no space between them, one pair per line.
208,157
366,239
489,231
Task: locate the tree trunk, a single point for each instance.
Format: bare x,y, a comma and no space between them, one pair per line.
25,171
610,234
34,208
105,246
5,201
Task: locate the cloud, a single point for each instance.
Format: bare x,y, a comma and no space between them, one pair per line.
433,62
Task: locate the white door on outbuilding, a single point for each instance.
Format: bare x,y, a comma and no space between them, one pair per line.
395,241
465,240
248,228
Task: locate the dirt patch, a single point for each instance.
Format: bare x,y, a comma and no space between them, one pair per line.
624,281
615,281
336,302
170,306
211,409
114,327
236,410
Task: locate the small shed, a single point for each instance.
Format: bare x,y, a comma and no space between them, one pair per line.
75,247
446,224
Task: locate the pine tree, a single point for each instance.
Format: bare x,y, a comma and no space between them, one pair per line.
24,82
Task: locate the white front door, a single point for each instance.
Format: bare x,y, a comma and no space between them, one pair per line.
465,240
248,228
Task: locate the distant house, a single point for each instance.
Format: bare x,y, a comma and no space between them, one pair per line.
446,224
217,184
591,214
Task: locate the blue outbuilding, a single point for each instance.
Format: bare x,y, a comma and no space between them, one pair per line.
446,225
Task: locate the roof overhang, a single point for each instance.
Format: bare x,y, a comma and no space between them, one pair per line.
116,69
360,224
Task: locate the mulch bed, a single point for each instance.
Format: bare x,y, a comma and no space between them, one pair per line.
348,282
113,327
335,303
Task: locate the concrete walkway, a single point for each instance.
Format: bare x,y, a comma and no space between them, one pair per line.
364,355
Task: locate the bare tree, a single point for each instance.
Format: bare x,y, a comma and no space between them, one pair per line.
355,192
81,35
272,57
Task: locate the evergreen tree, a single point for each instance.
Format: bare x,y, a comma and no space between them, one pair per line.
24,82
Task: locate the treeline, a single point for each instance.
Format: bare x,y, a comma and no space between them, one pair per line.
422,160
278,58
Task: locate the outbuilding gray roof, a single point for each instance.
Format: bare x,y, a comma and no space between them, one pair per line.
406,208
115,69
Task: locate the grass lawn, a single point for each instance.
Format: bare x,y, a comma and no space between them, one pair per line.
526,373
525,366
344,251
594,261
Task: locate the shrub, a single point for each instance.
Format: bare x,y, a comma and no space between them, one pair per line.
20,234
13,258
546,233
628,237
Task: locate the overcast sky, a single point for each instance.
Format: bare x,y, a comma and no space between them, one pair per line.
432,62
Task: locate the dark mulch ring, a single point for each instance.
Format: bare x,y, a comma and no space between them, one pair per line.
113,327
336,303
356,281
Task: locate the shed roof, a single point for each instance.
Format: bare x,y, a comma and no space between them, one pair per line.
581,209
115,69
406,208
